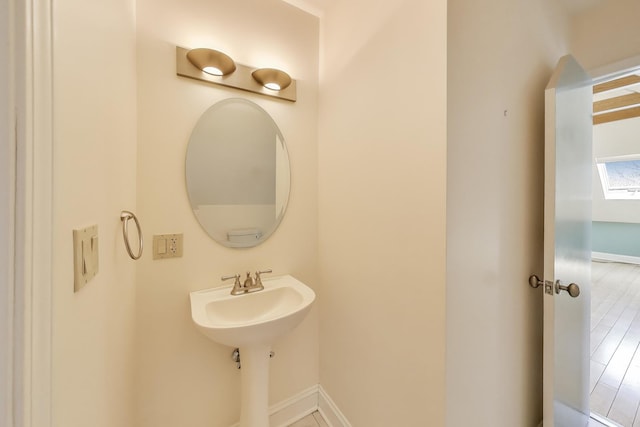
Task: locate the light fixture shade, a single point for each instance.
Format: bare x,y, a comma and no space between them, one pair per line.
211,61
272,78
193,64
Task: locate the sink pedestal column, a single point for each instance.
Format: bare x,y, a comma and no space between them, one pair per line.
254,385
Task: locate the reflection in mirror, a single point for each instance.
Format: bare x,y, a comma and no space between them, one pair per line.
237,172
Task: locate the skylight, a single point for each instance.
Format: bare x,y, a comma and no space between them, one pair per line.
620,177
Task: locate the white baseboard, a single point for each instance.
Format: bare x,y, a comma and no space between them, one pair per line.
313,399
291,410
601,256
329,410
604,422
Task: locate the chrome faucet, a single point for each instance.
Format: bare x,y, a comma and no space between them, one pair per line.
250,284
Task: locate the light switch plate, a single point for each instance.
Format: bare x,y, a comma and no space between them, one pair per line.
167,246
85,256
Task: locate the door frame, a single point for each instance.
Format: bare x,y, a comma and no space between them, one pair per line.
26,302
614,69
6,215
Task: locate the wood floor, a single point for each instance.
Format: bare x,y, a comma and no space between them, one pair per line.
615,340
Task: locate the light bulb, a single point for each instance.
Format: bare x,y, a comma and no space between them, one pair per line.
213,70
272,86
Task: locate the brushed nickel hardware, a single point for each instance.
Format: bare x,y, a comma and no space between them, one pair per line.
238,288
535,282
194,64
272,78
125,216
250,284
235,276
258,279
211,61
548,287
573,289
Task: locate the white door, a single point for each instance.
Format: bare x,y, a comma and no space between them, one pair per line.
567,245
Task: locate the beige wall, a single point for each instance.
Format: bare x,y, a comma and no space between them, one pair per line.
501,54
382,211
94,179
606,34
183,378
391,151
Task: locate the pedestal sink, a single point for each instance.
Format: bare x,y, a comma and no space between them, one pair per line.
252,322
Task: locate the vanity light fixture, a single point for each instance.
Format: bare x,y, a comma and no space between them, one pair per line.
272,78
215,67
211,61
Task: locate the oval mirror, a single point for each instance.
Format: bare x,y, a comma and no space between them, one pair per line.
237,172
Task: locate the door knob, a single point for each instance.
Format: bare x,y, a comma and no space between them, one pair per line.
573,289
534,281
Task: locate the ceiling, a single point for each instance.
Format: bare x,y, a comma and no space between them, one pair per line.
317,7
609,104
314,7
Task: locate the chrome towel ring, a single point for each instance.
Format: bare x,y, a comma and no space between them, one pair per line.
125,216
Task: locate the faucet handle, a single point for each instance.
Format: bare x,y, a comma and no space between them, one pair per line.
238,288
235,276
258,278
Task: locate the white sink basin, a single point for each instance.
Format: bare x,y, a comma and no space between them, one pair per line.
254,318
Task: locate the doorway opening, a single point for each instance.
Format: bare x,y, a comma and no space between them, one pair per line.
615,293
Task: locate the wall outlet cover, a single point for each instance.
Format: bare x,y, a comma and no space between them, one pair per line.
167,246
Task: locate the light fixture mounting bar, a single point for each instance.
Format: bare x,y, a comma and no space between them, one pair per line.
241,78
